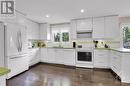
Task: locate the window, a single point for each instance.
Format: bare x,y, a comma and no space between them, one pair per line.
65,36
126,37
60,32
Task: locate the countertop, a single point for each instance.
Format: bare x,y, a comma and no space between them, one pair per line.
123,50
60,47
4,71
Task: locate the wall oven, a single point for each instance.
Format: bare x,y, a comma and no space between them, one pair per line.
84,58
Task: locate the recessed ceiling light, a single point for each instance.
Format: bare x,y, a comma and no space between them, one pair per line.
82,10
47,16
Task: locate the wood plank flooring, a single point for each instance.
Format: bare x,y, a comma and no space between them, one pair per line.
48,75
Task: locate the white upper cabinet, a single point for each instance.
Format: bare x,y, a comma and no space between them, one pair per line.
44,31
73,30
84,24
98,27
112,27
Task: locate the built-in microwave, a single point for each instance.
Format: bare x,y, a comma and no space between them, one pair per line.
84,34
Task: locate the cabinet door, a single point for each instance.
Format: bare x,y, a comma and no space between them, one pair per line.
84,24
34,56
44,55
73,30
69,57
51,55
98,27
112,27
116,62
101,59
44,32
59,56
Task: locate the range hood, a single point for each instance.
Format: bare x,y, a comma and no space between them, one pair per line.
84,34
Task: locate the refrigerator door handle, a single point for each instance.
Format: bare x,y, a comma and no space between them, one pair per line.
18,56
17,41
20,36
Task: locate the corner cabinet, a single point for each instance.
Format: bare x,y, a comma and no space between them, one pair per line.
112,29
120,62
115,62
44,31
34,56
101,58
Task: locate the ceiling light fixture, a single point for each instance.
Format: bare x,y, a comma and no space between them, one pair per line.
82,10
47,16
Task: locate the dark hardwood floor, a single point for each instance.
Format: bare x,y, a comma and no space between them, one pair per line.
48,75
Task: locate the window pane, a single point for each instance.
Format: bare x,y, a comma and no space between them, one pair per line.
56,37
65,36
126,37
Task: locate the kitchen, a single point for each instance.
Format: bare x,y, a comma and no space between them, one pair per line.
79,48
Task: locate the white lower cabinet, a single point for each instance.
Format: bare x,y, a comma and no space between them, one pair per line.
125,68
34,56
58,56
43,54
69,57
116,62
120,62
101,58
3,80
50,55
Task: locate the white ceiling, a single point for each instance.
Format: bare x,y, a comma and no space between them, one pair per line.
64,10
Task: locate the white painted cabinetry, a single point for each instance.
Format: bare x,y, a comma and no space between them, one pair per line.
112,27
116,62
3,80
34,56
125,68
84,24
106,27
45,31
98,27
69,57
101,58
58,56
43,55
73,34
51,55
120,62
